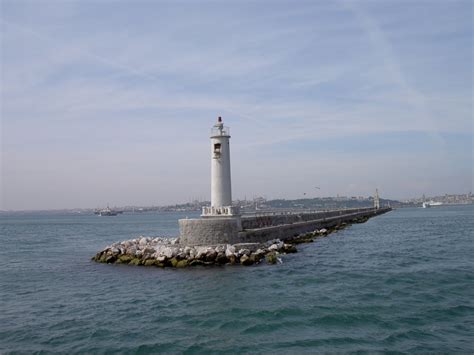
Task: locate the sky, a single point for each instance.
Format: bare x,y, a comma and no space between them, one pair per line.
111,102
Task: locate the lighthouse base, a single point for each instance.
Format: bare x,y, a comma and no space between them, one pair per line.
210,231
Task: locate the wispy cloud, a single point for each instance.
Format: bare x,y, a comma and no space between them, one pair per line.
148,80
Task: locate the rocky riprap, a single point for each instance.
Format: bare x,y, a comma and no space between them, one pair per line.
164,252
167,252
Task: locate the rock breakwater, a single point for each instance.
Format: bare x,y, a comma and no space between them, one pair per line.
168,252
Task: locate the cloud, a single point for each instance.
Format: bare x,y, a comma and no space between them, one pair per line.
91,84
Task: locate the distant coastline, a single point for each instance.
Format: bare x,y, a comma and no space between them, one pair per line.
261,204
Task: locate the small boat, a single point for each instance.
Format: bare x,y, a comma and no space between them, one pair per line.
106,212
431,204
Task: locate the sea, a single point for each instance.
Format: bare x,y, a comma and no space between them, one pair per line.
402,282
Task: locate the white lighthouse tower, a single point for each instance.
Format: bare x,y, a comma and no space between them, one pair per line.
221,189
221,222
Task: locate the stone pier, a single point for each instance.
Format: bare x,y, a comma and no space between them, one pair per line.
261,228
233,240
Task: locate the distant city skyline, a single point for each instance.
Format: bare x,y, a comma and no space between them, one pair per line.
112,102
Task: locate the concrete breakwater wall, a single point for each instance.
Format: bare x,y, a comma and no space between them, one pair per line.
275,219
292,226
259,229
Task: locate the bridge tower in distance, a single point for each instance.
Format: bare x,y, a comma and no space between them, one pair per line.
376,199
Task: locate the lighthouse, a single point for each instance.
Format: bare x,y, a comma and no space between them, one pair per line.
221,189
220,223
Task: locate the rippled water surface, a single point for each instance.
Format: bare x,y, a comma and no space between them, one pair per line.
402,281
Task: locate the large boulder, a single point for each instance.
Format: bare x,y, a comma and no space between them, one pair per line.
221,258
271,258
229,251
273,247
181,255
256,257
182,263
110,259
168,252
244,252
135,261
211,255
220,249
125,259
161,258
201,252
247,260
173,262
149,262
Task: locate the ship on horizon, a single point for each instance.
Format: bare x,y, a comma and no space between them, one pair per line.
430,204
107,212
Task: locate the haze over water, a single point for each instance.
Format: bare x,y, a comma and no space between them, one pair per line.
400,282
